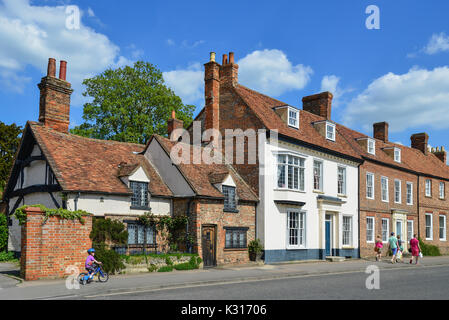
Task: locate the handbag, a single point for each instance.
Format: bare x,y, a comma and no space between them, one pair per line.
421,255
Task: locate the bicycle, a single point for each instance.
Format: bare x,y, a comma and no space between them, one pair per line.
87,277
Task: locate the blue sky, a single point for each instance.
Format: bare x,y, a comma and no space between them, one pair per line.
286,49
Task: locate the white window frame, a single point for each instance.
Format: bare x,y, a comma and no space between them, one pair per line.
398,157
285,165
296,112
343,231
431,226
442,189
321,181
370,174
373,142
387,231
344,180
411,193
301,215
333,132
374,229
400,191
428,185
382,189
413,229
439,227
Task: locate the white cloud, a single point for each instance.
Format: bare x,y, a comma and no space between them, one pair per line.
170,42
417,98
31,34
270,72
90,12
187,83
437,43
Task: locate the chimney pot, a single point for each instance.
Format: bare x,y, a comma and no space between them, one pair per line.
173,114
62,70
319,104
380,131
212,57
51,69
231,57
225,59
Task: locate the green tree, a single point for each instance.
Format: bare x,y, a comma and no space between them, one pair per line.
9,142
3,232
130,104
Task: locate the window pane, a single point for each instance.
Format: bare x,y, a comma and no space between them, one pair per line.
150,235
131,233
229,195
281,176
140,234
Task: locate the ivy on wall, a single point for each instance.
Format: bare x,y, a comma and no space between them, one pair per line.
20,213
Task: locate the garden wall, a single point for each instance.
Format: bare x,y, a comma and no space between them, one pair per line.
49,247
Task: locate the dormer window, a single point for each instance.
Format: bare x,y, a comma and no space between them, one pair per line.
293,118
371,146
139,198
230,203
397,154
330,131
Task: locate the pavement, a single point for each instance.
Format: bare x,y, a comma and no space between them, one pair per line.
118,284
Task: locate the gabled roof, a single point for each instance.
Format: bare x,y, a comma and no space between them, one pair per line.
92,165
263,105
198,175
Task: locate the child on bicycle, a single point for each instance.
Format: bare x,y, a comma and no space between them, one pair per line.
90,261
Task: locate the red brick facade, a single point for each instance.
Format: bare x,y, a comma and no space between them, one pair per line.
437,207
385,210
49,247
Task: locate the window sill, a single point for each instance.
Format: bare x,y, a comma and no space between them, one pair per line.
428,196
231,210
289,190
369,198
442,239
140,208
342,195
235,249
296,248
349,247
318,191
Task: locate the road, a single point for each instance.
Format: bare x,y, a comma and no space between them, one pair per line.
430,282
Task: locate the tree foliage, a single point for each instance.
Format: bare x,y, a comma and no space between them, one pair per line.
3,232
130,104
9,142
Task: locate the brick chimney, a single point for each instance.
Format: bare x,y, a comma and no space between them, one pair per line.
380,131
419,141
229,71
212,93
319,104
54,102
440,153
174,124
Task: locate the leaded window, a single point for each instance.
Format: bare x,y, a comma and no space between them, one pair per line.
235,238
229,198
139,198
139,234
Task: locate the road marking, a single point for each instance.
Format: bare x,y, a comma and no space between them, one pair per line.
283,277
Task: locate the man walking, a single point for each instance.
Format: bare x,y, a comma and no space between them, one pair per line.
393,241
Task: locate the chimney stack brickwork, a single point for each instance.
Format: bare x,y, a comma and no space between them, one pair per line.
212,94
54,102
380,131
420,141
229,71
174,124
319,104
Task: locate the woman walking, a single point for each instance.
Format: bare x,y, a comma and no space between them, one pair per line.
393,241
378,248
416,249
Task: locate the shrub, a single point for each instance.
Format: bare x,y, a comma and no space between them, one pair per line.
185,266
165,269
152,268
429,249
7,256
108,231
112,262
3,232
255,246
168,261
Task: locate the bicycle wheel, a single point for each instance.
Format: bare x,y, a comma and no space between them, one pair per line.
103,276
81,279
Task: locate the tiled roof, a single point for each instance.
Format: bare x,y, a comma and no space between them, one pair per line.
92,165
346,139
263,105
198,175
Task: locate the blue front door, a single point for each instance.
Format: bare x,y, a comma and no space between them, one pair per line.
328,238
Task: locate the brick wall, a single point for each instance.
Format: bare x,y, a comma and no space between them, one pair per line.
49,248
211,213
437,207
379,209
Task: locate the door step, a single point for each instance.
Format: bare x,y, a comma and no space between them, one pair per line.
335,259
